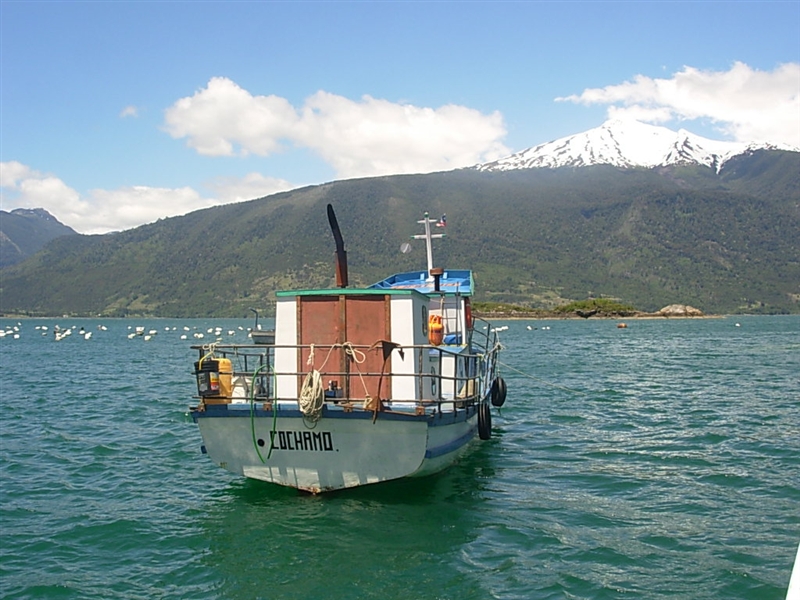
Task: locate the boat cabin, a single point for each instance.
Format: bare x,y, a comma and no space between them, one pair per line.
406,337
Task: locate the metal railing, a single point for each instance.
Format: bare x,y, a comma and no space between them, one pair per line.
460,375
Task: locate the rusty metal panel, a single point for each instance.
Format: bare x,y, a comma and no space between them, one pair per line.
319,323
338,319
367,323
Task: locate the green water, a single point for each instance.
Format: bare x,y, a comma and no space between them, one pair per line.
657,461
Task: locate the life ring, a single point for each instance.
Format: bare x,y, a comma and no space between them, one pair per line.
468,313
498,392
484,421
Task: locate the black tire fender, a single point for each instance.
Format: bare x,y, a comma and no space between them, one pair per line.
498,392
484,421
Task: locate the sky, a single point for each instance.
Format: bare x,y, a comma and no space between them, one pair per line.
114,114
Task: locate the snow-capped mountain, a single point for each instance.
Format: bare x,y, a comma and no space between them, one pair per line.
627,144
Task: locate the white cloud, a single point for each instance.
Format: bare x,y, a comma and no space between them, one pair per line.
11,173
129,111
223,115
358,138
377,137
101,211
129,207
26,188
249,187
744,103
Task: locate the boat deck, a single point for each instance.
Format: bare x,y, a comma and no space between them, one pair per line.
451,282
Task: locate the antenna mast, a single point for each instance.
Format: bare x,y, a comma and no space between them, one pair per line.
428,236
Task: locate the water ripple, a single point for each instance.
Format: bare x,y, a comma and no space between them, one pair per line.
659,461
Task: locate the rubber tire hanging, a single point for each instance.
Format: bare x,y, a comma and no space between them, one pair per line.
498,392
484,421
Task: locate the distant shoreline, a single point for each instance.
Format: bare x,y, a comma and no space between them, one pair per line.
506,316
543,316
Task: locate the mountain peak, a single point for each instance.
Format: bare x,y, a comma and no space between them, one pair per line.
25,231
38,213
626,143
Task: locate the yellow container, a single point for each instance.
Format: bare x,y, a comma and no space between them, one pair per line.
225,377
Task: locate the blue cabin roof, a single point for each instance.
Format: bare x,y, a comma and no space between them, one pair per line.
451,282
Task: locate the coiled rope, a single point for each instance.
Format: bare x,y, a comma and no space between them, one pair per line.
312,396
312,392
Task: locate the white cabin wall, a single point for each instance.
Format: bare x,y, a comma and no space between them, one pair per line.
406,315
409,324
286,358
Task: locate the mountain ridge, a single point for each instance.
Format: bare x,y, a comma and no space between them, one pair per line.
626,144
724,242
25,231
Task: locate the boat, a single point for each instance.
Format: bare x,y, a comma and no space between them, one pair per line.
358,385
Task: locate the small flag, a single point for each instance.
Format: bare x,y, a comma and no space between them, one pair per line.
442,222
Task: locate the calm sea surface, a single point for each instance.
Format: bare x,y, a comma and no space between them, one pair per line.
657,461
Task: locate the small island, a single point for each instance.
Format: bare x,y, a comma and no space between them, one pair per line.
600,308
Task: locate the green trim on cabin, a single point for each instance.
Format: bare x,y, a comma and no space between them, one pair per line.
350,292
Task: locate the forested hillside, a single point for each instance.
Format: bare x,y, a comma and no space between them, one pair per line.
24,232
724,243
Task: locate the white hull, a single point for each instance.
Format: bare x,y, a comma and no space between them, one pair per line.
341,450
